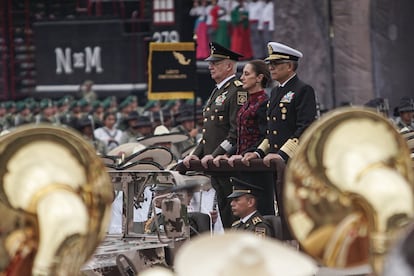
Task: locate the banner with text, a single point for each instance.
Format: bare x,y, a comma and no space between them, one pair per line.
172,71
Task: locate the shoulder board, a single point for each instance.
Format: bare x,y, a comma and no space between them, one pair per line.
256,220
238,83
237,222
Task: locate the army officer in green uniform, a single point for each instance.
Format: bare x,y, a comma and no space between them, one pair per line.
244,206
220,127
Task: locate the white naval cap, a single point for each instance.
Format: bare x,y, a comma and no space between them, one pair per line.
279,51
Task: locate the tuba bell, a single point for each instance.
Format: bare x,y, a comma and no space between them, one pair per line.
55,198
349,189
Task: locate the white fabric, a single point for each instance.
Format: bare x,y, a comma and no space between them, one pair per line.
102,134
267,16
141,214
115,226
204,202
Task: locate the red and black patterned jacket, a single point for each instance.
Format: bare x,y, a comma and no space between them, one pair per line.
251,122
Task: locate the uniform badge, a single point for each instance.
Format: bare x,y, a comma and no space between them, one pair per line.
241,98
288,97
221,98
260,231
256,220
238,83
269,49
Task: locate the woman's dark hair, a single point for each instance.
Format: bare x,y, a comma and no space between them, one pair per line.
107,114
260,67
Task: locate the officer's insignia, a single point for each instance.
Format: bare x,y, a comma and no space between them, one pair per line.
288,97
260,231
221,98
241,98
238,83
256,220
269,49
212,50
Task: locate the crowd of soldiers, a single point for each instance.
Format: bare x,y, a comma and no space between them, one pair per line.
132,120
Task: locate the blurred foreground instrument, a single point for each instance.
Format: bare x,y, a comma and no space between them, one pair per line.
349,188
55,197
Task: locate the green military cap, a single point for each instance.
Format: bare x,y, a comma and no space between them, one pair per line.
150,104
45,103
29,100
124,103
97,103
10,104
132,98
106,103
33,105
83,103
21,105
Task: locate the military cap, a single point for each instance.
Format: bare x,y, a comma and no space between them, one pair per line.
10,104
406,105
45,103
133,115
96,104
29,100
156,115
279,51
150,104
124,103
106,103
83,103
143,121
84,121
132,98
218,52
241,187
21,106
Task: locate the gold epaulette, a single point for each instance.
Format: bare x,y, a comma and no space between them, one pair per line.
290,147
264,146
238,83
237,222
256,220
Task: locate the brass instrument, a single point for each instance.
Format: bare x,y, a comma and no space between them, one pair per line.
55,198
349,188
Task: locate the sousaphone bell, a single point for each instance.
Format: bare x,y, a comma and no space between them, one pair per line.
349,189
55,198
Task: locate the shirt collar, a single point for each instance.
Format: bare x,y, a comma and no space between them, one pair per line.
283,84
246,218
219,85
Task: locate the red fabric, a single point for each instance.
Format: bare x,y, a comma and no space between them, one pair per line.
203,51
